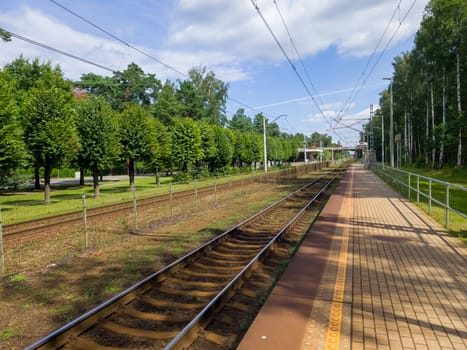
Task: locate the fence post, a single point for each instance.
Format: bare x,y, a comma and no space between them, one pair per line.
135,209
418,189
230,186
171,200
429,196
215,191
196,194
447,206
2,256
85,221
410,184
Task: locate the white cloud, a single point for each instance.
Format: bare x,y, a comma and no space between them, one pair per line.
223,35
352,26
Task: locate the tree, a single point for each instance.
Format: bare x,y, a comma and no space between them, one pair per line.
12,148
224,149
320,140
49,130
99,86
135,86
240,121
167,107
191,101
34,74
96,128
4,35
203,96
208,144
134,136
242,149
159,147
130,86
186,144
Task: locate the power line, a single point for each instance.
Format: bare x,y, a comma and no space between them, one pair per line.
296,52
118,39
347,102
288,59
352,98
303,65
48,47
141,51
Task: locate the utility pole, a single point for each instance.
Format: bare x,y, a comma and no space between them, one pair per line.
391,125
265,151
304,149
264,146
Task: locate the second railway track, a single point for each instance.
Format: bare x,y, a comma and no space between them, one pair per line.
171,308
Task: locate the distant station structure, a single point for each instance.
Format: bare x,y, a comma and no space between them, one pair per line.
317,153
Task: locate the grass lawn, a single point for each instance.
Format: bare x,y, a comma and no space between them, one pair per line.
18,206
457,197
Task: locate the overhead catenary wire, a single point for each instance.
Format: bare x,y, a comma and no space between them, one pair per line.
350,97
356,91
255,5
297,53
48,47
151,57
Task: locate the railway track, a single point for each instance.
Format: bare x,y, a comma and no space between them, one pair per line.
172,307
26,231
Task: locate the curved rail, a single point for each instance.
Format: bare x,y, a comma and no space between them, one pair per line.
26,230
218,252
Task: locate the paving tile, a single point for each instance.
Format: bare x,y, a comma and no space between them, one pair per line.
406,280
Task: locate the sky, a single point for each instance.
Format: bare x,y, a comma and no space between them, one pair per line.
319,71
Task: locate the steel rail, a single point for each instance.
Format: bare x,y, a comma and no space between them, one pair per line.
10,230
60,336
188,333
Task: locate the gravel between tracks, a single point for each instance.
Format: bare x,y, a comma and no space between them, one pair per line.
48,293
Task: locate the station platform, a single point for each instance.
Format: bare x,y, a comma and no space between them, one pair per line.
374,272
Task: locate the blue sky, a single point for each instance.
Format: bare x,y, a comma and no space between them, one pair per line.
334,38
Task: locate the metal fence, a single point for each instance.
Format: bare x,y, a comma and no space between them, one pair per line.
433,190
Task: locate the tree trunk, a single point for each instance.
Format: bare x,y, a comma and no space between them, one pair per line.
37,178
405,137
47,174
158,177
427,135
81,176
131,173
459,109
441,146
411,151
433,147
95,181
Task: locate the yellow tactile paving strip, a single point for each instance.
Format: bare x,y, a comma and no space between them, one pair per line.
335,318
404,285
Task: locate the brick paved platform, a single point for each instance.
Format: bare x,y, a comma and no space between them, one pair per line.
374,272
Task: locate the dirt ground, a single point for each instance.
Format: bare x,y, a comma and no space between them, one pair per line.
50,291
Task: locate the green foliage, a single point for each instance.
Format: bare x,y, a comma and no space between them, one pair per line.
96,129
320,140
127,117
159,139
49,130
8,333
241,122
134,135
130,86
186,144
12,148
167,107
4,35
212,93
430,90
18,278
